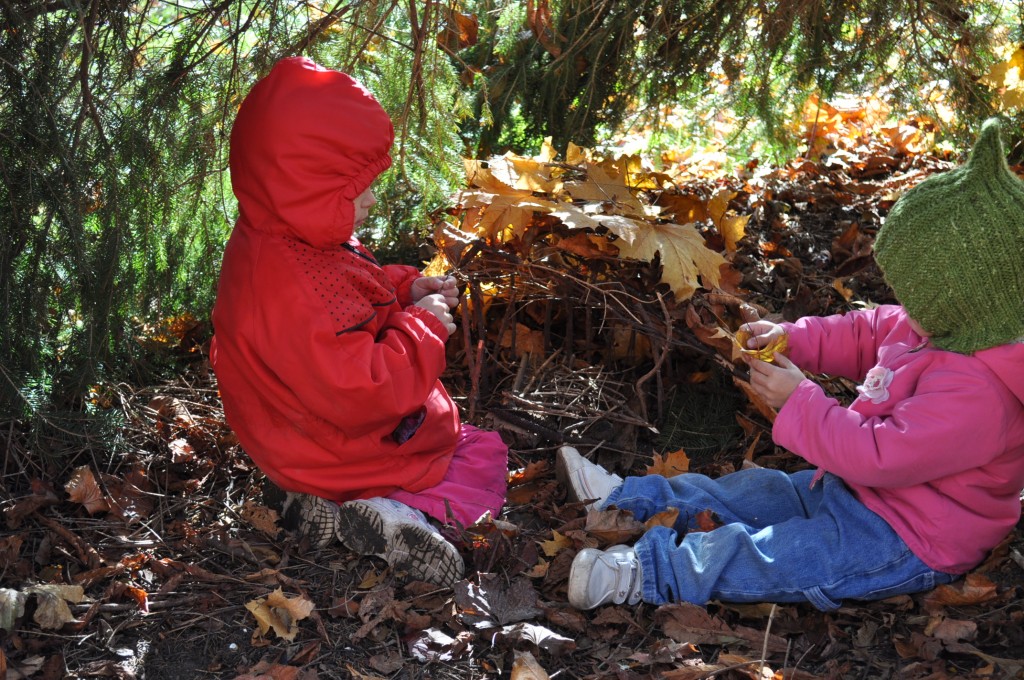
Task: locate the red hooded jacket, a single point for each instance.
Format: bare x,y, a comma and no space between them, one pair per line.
318,354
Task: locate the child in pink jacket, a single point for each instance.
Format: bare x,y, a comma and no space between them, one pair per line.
328,363
916,481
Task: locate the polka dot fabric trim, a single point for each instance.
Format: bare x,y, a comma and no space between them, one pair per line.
352,288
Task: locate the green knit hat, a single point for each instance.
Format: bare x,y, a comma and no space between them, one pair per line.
952,249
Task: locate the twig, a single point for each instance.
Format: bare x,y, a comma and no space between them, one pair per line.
767,632
658,362
86,553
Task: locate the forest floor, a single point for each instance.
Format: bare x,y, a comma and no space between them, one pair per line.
143,549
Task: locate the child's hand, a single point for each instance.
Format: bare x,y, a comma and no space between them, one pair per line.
775,382
436,304
446,286
762,333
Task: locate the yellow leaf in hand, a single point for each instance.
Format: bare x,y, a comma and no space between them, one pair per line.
766,353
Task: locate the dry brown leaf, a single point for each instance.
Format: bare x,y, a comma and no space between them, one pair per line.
280,613
526,667
83,488
951,630
732,227
587,245
671,464
607,188
972,590
261,518
52,599
459,32
181,451
706,520
613,527
683,208
690,623
170,409
756,399
526,340
532,472
665,518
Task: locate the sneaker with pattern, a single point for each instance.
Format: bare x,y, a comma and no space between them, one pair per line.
402,537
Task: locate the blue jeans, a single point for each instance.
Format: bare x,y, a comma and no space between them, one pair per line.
781,541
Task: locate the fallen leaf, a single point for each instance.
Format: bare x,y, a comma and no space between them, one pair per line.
951,630
434,645
261,518
526,667
280,613
12,607
612,527
52,599
687,262
555,545
973,589
665,518
83,488
494,601
605,187
671,464
706,520
731,226
690,623
536,636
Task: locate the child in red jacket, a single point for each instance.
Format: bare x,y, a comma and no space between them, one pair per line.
328,363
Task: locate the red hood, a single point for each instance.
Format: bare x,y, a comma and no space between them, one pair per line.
306,142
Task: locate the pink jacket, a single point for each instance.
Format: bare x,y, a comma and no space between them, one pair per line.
934,444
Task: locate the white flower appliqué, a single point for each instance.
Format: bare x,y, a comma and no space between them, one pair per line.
876,384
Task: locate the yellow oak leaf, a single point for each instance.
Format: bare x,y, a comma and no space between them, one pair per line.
686,262
732,227
672,464
601,186
557,543
767,353
501,216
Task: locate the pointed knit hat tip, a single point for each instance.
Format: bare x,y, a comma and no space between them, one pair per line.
988,153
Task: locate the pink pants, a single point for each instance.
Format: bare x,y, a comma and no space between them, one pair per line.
476,481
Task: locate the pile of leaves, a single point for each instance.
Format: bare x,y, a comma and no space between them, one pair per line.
601,300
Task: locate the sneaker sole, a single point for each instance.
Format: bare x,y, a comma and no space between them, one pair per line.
313,518
579,579
405,546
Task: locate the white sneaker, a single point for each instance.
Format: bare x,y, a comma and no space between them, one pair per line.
605,576
584,480
402,537
312,517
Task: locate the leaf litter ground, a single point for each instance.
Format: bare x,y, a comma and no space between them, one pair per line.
158,558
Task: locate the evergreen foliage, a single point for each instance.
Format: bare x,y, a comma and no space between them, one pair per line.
115,117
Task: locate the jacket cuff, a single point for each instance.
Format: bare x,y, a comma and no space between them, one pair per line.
793,416
432,323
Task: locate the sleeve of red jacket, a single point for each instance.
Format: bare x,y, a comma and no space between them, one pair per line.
402,276
841,344
361,383
923,439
